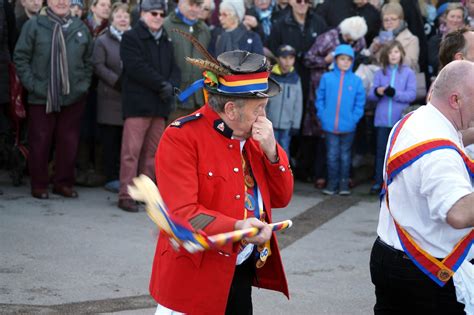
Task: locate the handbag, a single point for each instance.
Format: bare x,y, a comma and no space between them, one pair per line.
17,106
17,99
420,87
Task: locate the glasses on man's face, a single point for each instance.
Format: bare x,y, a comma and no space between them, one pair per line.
390,19
302,1
156,14
223,14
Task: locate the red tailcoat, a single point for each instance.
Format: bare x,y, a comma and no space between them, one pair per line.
199,171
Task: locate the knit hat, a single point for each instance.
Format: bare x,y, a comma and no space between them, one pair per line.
149,5
355,27
236,6
79,3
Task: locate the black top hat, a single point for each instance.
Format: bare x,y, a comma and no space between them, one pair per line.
235,73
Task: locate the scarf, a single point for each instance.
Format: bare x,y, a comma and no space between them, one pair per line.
229,40
156,35
401,28
59,77
264,17
116,33
185,19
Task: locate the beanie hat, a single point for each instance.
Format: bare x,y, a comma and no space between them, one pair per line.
237,6
149,5
355,27
78,3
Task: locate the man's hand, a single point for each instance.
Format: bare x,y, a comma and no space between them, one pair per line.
265,231
262,131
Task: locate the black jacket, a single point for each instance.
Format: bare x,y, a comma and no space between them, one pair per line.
372,17
334,11
287,31
147,66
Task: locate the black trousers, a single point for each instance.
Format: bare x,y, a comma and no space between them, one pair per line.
111,137
402,288
239,301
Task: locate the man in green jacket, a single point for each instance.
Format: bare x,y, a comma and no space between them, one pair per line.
53,60
185,18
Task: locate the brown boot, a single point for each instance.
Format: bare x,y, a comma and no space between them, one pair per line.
128,205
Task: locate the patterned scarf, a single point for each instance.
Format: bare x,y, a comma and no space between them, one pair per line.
264,16
59,77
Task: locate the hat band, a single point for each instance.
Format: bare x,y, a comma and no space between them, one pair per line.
229,84
243,83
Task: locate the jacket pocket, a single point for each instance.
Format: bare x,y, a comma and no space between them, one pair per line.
211,181
182,259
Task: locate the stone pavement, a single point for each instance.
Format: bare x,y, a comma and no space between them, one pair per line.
63,256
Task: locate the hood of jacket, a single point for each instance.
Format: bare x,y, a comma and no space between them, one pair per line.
343,49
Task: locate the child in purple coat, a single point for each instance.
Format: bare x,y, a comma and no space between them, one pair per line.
393,90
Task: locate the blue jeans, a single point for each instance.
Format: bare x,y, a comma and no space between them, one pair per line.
283,138
338,148
381,133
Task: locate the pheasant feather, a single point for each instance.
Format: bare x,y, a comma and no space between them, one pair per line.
197,45
208,65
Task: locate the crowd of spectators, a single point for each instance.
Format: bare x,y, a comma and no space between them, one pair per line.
100,79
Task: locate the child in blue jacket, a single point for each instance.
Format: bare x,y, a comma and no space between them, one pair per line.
340,101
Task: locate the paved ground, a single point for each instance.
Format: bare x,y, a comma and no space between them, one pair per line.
86,256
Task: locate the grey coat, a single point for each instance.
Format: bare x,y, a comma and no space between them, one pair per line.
108,68
286,109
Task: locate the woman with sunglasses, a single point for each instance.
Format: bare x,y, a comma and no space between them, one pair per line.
148,80
232,34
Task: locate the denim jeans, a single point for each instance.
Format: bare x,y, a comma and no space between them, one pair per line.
283,138
381,134
338,148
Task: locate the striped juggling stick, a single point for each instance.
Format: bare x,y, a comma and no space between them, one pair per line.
145,190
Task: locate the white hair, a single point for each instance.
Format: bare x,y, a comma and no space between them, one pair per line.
355,27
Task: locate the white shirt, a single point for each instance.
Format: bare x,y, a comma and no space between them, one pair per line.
422,194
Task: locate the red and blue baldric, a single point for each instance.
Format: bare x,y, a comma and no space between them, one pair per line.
439,271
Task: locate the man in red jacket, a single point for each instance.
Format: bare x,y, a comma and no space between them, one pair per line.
221,169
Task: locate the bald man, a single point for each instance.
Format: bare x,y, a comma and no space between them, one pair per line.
427,208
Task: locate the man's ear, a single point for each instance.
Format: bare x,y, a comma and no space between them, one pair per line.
458,56
454,101
231,111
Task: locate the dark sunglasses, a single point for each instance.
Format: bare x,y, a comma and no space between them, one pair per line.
301,1
155,14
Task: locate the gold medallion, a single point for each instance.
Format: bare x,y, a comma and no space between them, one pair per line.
444,275
249,182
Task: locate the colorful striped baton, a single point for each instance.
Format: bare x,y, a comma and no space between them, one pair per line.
181,234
